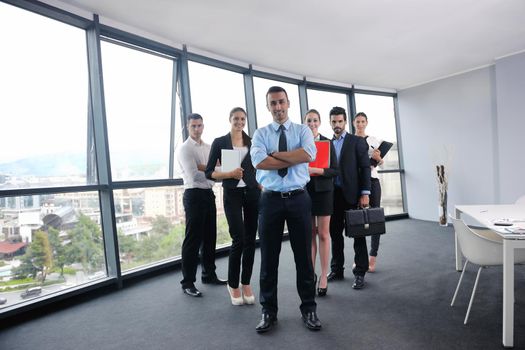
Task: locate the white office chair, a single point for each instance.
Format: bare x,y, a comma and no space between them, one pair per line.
521,200
481,247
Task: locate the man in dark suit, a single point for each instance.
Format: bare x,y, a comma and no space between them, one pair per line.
351,190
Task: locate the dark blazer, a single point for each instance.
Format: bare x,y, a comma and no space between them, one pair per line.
225,142
325,182
354,167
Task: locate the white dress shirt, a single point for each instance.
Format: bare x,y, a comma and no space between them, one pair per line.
190,154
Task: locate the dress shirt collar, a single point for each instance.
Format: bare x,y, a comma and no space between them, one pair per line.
287,123
343,135
195,143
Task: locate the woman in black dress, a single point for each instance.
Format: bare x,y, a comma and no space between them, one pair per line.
321,190
241,205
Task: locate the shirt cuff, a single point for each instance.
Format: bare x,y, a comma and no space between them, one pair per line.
365,193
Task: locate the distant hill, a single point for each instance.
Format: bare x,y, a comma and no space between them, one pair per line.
47,165
75,164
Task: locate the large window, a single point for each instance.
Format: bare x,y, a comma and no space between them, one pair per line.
214,93
138,95
52,242
44,101
382,125
56,220
323,102
151,224
261,86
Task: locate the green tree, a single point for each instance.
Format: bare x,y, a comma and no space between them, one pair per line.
85,245
171,244
59,251
160,225
42,255
26,267
127,245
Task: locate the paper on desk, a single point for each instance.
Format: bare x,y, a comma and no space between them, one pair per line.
516,230
506,221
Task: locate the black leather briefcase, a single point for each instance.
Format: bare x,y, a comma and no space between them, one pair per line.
364,222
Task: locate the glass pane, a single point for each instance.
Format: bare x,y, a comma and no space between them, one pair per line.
381,123
49,243
323,102
138,93
214,93
261,86
44,103
151,224
391,195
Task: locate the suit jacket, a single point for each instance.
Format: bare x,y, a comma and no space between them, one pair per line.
225,142
325,182
354,167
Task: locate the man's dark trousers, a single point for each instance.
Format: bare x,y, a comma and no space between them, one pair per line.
273,212
201,230
337,225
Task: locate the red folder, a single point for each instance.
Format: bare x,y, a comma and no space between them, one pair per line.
322,160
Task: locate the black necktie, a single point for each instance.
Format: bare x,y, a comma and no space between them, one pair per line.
282,148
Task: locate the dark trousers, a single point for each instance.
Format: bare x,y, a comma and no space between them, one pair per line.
337,225
201,233
375,202
273,212
241,206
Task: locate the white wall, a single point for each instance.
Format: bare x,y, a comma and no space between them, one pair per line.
510,92
453,114
479,117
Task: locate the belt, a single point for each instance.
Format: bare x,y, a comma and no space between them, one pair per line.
285,194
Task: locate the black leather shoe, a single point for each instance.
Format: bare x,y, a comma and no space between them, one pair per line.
335,276
213,280
322,291
192,291
267,322
359,282
311,321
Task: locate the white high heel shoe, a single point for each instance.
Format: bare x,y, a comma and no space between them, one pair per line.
235,301
248,299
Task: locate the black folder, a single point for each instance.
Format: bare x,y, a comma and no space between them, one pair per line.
384,147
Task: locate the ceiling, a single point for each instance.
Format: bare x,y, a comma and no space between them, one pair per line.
376,43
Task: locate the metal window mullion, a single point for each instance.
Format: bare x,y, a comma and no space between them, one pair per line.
249,95
173,118
400,153
303,99
184,89
96,89
350,100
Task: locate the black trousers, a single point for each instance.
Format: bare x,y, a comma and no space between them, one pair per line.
274,211
241,206
201,233
337,225
375,202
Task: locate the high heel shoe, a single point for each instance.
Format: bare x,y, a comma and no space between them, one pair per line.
248,299
321,291
235,300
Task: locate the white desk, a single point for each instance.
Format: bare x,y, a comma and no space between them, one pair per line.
485,214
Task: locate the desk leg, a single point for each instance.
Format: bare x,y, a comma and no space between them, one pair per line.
508,293
459,256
